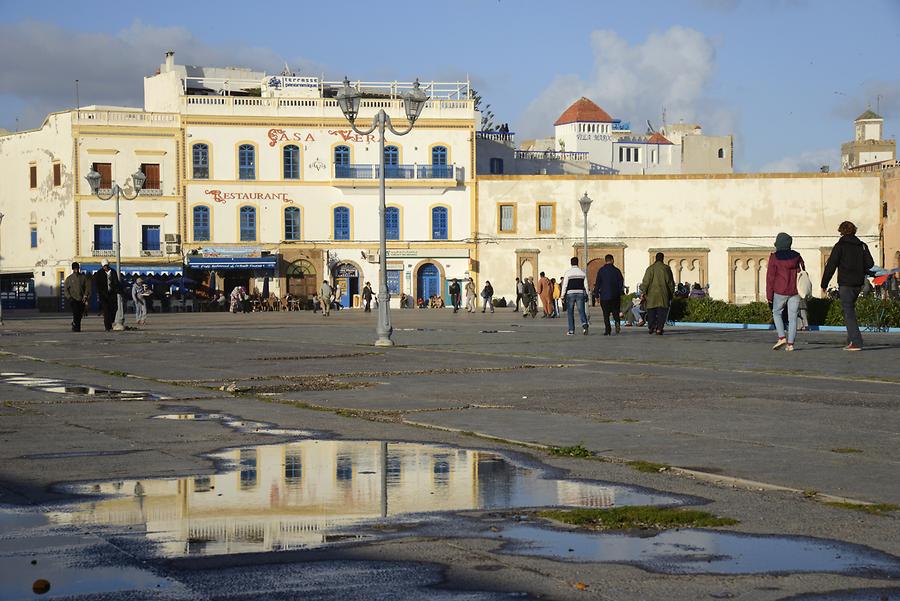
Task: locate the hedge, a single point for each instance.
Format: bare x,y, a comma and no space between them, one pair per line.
820,311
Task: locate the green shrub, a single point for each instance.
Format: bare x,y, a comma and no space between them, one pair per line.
820,311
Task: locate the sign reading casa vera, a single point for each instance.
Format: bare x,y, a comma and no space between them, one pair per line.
277,135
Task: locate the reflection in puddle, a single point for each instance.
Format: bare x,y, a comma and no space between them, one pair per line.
237,424
295,495
57,386
702,552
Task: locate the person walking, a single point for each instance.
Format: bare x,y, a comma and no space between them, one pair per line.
520,291
658,288
487,293
138,295
471,295
106,283
783,269
556,291
455,294
574,291
78,292
609,288
545,292
852,259
325,294
367,297
529,298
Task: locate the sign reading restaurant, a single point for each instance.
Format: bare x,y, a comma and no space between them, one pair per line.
223,197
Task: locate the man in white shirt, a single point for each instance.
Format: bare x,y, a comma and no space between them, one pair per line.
574,291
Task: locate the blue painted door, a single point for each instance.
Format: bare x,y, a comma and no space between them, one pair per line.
428,281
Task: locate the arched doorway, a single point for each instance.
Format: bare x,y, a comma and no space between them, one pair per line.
428,281
301,279
347,276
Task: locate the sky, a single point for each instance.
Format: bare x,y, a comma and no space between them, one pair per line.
785,77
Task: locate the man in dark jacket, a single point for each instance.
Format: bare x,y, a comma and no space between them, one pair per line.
78,291
455,294
658,288
852,259
367,297
609,287
106,283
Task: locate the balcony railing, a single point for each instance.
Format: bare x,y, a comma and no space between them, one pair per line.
102,252
411,172
504,137
551,155
152,188
152,253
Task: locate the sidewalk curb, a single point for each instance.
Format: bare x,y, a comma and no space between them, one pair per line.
762,326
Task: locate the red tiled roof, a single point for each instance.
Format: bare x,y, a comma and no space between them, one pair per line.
658,138
584,110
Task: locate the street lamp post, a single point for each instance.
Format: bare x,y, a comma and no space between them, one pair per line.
137,178
1,275
585,202
348,99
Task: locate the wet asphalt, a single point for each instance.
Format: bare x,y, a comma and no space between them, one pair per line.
80,408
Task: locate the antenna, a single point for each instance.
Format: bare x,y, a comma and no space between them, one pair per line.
77,101
664,116
878,104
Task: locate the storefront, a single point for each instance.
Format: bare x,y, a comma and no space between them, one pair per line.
225,273
159,277
17,291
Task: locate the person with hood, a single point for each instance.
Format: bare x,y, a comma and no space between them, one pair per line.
139,296
658,288
78,293
852,260
783,269
470,296
106,283
487,293
609,288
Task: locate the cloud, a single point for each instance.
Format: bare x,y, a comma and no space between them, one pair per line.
109,66
811,160
670,70
881,95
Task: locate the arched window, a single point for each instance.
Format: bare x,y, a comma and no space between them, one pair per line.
201,224
248,224
292,223
721,153
200,154
439,155
291,162
439,223
392,223
341,223
391,155
342,161
246,161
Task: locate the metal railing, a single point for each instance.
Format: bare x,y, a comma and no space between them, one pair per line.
103,252
157,252
442,90
551,155
152,188
316,106
362,171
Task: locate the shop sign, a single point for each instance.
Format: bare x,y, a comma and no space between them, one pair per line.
231,251
224,197
428,253
277,135
347,271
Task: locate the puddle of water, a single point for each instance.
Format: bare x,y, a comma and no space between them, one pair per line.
702,552
872,594
237,424
296,495
57,386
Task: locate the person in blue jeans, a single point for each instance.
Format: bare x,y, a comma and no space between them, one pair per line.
783,268
574,291
852,260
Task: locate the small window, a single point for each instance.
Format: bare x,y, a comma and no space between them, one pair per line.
200,159
293,467
32,176
57,174
246,161
105,171
391,156
439,225
546,218
621,154
103,237
291,162
151,171
721,153
33,236
496,166
341,223
201,224
342,155
248,224
507,218
392,223
292,223
150,237
439,155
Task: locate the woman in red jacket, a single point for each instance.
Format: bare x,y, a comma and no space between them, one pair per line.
781,288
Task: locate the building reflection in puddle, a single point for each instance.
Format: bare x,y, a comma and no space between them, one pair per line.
293,495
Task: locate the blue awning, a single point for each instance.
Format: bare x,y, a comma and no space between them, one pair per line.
225,263
172,269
